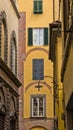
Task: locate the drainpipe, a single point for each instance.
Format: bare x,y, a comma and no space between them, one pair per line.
54,90
53,10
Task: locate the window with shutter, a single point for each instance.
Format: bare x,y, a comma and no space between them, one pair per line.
45,36
30,43
38,69
38,106
37,36
38,6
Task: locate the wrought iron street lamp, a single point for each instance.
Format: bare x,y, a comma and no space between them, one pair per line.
39,86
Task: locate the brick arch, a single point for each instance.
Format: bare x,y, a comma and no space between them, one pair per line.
36,49
45,123
42,126
13,43
3,19
36,83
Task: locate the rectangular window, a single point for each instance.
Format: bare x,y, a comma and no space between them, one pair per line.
38,69
38,106
37,36
38,6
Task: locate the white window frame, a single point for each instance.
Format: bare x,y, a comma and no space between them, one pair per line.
38,36
38,112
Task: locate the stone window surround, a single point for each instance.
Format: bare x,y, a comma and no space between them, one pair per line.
13,41
3,19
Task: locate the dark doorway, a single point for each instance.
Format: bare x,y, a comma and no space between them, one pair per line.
70,119
12,124
2,121
70,113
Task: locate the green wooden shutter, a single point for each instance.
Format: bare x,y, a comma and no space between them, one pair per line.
40,6
35,7
30,37
46,36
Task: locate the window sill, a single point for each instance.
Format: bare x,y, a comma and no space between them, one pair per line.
40,118
38,12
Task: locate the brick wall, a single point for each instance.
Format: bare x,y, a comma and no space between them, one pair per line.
45,123
21,56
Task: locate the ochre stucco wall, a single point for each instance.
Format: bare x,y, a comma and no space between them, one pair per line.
37,52
68,77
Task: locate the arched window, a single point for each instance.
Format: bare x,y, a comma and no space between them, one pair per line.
3,37
13,116
2,41
13,53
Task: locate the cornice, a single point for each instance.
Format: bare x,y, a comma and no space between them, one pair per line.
55,31
9,73
15,8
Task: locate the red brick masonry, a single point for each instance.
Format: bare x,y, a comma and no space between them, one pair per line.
21,54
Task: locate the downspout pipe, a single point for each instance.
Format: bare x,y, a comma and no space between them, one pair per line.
53,10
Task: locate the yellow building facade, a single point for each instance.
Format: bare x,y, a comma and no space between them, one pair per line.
67,63
55,54
59,102
38,69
